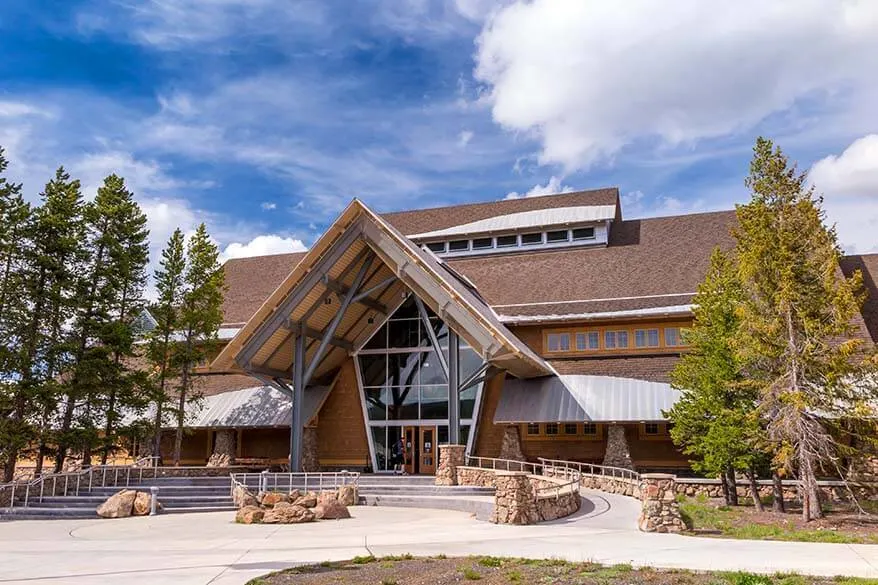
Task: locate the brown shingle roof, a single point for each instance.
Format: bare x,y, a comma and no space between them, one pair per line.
650,368
645,261
249,281
867,264
437,218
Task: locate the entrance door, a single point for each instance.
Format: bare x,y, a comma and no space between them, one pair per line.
428,451
410,450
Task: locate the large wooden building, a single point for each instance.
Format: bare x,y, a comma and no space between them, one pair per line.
553,321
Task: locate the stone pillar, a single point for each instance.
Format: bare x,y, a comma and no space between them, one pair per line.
450,458
514,499
510,448
310,460
617,453
659,511
223,448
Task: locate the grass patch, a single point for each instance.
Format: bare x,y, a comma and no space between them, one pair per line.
514,576
490,561
739,578
471,574
363,560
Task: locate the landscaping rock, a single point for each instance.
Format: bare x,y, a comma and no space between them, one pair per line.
142,503
119,505
285,513
348,495
270,499
331,510
308,500
249,515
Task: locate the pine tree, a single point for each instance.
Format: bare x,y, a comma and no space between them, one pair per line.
714,420
796,338
48,272
169,282
199,319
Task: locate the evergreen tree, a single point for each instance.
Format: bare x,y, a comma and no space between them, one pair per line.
199,319
796,339
169,282
714,420
51,261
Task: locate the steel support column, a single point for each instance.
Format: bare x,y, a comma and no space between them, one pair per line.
297,425
453,391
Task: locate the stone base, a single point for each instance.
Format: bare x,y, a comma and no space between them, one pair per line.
450,458
514,500
617,453
659,511
310,460
510,448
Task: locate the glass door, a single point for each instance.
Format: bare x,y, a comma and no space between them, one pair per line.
428,450
410,447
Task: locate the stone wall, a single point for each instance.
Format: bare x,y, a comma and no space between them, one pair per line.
555,497
510,448
617,454
514,500
451,457
613,485
833,491
475,476
659,511
310,459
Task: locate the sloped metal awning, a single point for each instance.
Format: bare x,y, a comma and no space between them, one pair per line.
578,398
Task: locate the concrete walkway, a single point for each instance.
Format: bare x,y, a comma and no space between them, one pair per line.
211,548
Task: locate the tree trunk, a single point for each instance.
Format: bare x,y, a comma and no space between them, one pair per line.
733,486
754,491
62,438
9,466
724,482
811,509
778,504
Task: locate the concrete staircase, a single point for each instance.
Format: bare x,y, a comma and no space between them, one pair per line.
212,494
176,495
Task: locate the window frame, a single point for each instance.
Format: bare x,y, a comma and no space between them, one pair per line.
562,434
613,333
452,250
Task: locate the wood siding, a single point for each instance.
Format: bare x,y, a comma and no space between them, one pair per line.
341,430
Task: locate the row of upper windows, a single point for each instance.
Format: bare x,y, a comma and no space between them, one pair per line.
614,339
589,430
488,243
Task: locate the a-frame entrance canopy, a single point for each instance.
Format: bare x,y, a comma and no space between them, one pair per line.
356,274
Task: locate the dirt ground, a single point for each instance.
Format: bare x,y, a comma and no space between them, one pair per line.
495,571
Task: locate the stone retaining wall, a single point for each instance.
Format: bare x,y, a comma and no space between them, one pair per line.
834,491
476,476
560,502
659,510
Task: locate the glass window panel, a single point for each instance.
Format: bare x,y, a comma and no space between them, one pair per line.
468,362
507,241
557,236
403,333
587,341
468,400
622,339
559,341
441,332
395,448
458,245
482,243
533,429
672,336
431,369
437,247
640,338
651,428
403,368
379,340
464,434
373,369
379,438
551,428
531,239
583,233
434,402
609,340
652,337
594,340
376,403
402,403
569,428
589,429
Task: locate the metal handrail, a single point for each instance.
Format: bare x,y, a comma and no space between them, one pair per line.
504,464
594,469
269,481
572,475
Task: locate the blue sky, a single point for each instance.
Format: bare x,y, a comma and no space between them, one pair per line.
264,118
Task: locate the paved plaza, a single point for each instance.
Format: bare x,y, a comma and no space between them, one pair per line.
197,549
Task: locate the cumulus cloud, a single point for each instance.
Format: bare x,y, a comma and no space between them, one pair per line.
553,186
263,246
588,78
849,183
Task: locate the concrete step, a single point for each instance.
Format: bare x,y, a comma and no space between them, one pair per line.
165,490
95,501
482,507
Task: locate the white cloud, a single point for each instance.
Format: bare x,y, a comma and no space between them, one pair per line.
849,183
589,77
464,138
552,187
268,205
263,246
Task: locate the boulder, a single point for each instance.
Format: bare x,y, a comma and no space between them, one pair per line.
308,500
347,495
119,505
331,510
249,515
270,499
284,513
244,497
142,503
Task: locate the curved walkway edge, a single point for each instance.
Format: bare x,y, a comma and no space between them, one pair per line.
211,549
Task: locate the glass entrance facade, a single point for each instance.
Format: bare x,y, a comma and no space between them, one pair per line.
403,382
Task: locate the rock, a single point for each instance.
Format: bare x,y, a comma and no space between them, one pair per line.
347,495
285,513
294,495
119,505
249,515
243,497
331,510
270,499
219,460
141,504
308,500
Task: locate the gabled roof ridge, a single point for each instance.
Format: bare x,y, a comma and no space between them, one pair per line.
390,214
